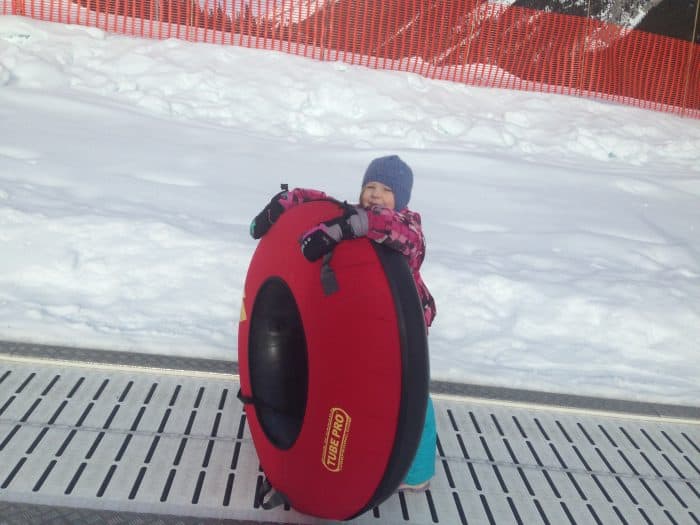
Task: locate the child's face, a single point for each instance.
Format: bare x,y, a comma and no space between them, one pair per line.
377,194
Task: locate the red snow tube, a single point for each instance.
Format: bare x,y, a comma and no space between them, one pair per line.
335,378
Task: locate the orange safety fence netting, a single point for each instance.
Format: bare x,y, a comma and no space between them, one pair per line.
470,41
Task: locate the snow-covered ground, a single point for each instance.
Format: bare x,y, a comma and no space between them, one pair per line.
563,233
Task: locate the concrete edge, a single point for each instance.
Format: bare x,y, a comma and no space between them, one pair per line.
13,513
495,393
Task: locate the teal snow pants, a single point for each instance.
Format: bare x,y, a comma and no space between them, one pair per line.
423,466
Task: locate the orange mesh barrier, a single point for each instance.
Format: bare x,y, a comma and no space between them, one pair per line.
470,41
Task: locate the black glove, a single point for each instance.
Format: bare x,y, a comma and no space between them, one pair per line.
264,220
322,238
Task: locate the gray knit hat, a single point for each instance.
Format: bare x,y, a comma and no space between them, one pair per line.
393,172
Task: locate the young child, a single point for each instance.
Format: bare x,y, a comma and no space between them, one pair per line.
383,216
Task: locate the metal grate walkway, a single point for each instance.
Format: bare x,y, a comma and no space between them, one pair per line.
96,442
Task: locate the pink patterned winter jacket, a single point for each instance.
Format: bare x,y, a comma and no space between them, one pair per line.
399,230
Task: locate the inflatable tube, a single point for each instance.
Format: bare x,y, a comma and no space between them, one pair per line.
335,382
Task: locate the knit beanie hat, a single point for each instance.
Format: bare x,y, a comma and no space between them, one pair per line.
393,172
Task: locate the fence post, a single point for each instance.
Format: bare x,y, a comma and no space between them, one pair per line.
582,84
692,44
323,30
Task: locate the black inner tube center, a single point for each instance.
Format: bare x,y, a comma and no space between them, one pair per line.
278,363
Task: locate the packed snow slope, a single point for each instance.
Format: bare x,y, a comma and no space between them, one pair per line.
563,233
